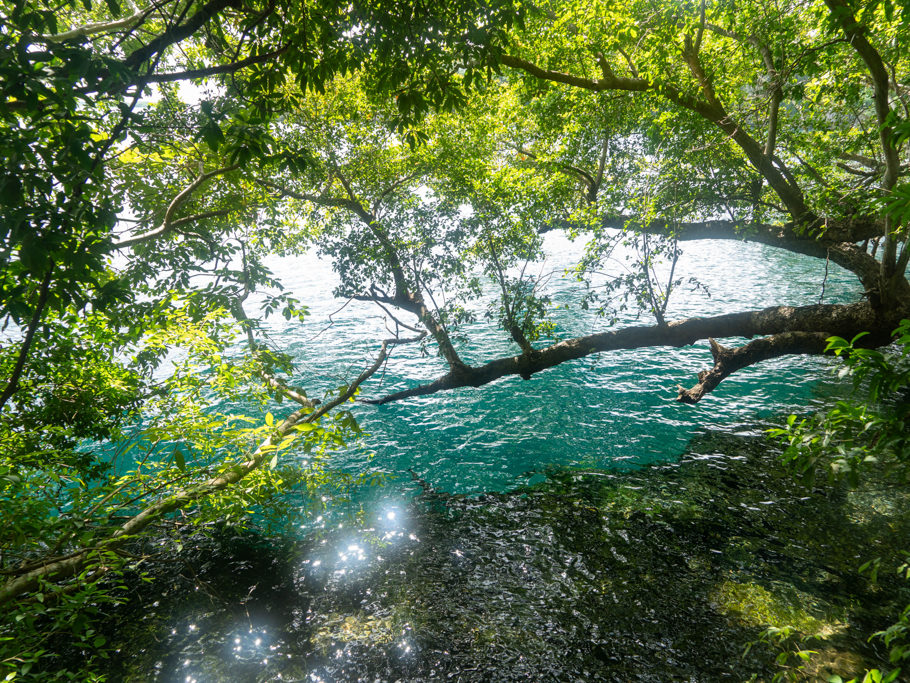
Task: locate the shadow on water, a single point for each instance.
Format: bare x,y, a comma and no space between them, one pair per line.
664,574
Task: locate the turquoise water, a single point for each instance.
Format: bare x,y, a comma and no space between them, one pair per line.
520,536
615,410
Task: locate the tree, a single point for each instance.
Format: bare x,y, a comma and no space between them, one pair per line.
422,148
779,124
117,200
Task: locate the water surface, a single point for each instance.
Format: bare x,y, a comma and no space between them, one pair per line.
612,410
582,525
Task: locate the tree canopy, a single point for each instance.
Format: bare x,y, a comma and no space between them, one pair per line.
155,157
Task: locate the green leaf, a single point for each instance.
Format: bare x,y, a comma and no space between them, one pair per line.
178,460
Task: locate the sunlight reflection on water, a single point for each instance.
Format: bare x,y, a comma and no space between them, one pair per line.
614,572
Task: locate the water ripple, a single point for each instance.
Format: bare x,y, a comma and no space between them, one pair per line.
612,410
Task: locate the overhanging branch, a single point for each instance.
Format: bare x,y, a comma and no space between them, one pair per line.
825,319
837,242
708,107
60,568
727,361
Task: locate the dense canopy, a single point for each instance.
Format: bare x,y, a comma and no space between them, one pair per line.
155,157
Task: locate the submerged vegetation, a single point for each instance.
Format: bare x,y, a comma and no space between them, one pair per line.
157,157
670,572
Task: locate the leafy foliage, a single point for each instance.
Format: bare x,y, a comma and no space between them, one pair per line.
856,435
425,148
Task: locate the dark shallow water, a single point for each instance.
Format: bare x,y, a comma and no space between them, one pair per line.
664,574
581,526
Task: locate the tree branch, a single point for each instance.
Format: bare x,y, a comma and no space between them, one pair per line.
837,242
727,361
320,199
169,223
98,27
608,82
410,299
178,33
709,109
59,569
12,384
205,72
846,320
391,188
868,162
856,34
579,173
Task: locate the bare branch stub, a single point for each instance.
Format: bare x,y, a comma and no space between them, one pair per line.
729,360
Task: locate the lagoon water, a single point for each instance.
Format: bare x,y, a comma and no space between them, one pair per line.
615,410
580,526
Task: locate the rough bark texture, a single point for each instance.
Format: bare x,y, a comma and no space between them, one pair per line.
806,325
727,361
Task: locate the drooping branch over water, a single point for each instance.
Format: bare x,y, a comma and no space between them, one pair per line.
29,576
790,330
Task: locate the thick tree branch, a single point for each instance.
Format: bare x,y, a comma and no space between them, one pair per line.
847,321
574,171
690,55
609,82
868,162
320,199
777,96
405,297
837,243
727,361
514,329
391,188
701,28
180,222
903,260
856,35
177,33
710,109
293,393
